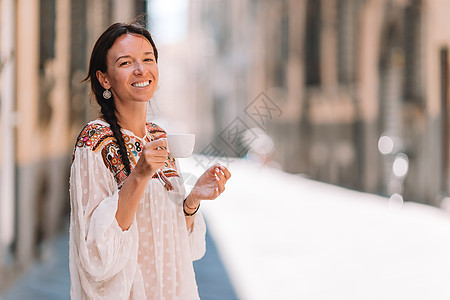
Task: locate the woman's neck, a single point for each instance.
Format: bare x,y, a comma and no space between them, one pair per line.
133,119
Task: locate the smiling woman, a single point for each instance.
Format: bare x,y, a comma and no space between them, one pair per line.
132,72
130,236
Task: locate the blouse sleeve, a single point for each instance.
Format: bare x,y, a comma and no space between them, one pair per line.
197,233
197,237
103,254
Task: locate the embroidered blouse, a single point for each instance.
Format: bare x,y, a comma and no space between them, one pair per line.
150,260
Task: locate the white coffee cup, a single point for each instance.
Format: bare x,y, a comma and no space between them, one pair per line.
180,145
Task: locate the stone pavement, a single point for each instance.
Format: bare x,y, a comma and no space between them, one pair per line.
49,280
283,236
273,235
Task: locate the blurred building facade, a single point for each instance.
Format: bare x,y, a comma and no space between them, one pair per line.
343,73
45,46
336,74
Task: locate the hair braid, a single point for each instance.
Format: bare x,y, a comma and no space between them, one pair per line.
108,110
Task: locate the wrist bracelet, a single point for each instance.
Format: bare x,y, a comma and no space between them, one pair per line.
188,205
184,210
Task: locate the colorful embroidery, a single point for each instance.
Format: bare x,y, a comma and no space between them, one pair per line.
94,135
97,136
170,168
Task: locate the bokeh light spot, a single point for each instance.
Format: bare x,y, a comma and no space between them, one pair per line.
385,144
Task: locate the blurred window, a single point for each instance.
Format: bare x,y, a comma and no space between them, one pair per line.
78,60
141,8
347,33
47,32
78,35
413,53
282,50
216,17
312,42
47,35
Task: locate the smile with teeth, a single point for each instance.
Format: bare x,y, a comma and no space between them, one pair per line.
141,84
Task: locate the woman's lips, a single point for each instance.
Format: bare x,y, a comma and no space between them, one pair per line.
141,84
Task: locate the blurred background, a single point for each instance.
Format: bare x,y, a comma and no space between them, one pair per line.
352,93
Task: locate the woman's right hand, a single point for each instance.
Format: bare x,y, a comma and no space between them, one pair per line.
153,157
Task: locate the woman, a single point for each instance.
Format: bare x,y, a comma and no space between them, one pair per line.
132,235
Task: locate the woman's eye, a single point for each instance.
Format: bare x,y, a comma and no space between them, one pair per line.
148,59
124,63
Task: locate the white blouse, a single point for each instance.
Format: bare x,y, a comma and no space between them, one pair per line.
150,260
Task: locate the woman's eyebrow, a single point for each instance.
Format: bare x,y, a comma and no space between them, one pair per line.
123,56
128,56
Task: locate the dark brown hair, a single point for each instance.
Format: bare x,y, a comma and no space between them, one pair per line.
98,62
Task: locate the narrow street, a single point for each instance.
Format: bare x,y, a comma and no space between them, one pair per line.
49,279
274,235
282,236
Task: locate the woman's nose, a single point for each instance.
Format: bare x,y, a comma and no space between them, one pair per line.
139,68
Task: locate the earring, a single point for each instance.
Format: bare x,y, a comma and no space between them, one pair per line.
106,94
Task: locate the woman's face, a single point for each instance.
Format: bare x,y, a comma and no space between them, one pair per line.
132,73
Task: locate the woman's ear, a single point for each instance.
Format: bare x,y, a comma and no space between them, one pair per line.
103,80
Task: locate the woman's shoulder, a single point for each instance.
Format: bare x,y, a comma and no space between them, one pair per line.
154,128
94,134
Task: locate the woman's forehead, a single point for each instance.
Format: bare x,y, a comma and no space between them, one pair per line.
130,44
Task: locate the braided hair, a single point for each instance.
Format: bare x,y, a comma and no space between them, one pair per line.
98,63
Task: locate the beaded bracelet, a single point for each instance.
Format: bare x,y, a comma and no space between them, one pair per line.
187,214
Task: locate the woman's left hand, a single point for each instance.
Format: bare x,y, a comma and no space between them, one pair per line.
210,184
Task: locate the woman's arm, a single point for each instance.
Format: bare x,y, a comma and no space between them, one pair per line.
99,248
153,157
208,187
